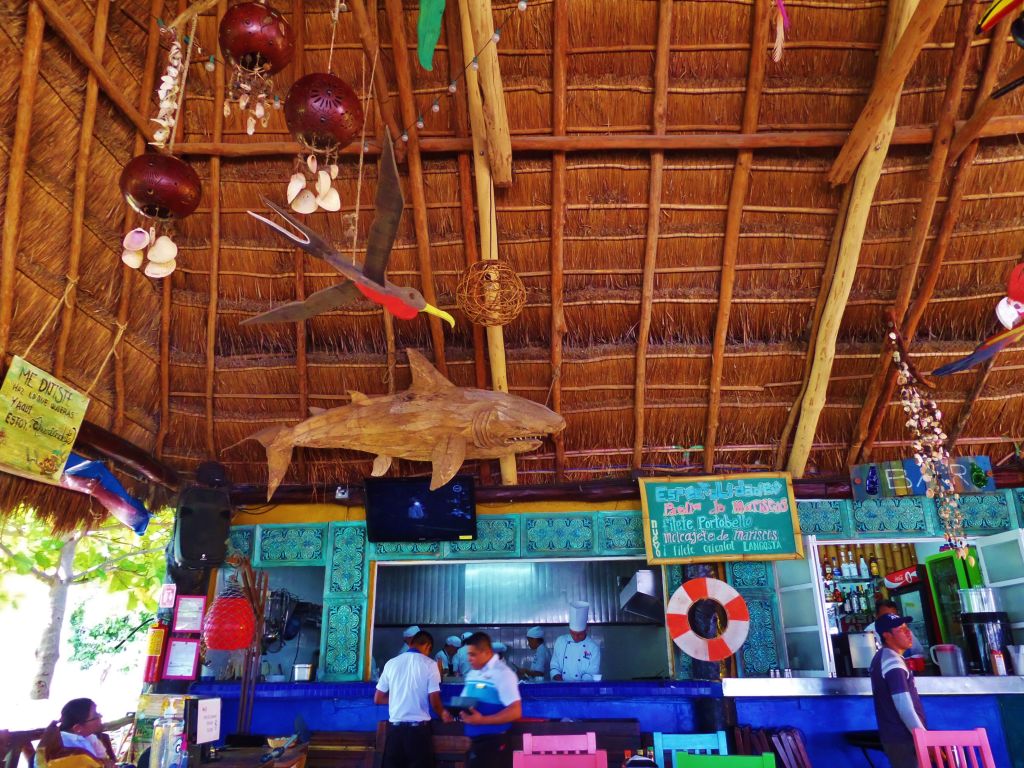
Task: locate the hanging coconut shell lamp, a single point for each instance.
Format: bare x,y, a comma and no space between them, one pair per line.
324,115
160,188
257,42
230,624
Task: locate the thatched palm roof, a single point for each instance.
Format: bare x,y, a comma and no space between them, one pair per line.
740,177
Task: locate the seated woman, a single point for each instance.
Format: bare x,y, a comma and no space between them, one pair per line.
81,742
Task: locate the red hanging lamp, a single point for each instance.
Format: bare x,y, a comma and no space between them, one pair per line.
230,624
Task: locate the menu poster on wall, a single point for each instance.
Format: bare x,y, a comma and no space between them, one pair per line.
720,517
39,420
182,659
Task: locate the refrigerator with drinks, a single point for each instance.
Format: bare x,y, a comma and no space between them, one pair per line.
910,589
948,573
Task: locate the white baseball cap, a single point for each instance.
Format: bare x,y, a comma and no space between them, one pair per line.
535,632
453,641
499,647
410,631
466,636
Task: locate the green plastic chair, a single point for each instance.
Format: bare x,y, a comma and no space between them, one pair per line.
694,743
686,760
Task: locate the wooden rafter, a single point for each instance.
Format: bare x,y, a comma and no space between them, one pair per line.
659,120
128,274
87,124
733,217
487,216
219,87
851,238
925,210
301,329
499,141
559,89
60,23
1009,125
406,97
17,164
980,380
885,93
981,115
885,374
371,47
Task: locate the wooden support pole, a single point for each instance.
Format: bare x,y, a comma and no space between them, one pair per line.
885,375
559,91
87,124
128,275
983,112
399,48
61,24
215,206
980,379
487,215
371,47
925,211
733,218
906,136
499,140
852,236
301,329
31,49
885,93
659,120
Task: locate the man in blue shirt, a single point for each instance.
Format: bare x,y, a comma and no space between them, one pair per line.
897,706
496,690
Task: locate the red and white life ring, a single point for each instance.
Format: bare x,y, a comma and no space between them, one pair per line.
677,616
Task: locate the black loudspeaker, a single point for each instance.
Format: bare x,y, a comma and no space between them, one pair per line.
203,522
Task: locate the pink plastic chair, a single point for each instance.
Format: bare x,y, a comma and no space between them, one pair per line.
560,751
953,749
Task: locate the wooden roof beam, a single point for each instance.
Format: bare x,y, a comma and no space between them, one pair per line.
885,93
734,214
299,257
981,115
870,419
17,164
659,121
980,379
499,141
851,235
399,47
371,47
60,23
925,211
487,215
559,91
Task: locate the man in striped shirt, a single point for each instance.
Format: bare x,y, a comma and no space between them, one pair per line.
897,705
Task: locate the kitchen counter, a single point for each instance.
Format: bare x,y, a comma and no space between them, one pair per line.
767,687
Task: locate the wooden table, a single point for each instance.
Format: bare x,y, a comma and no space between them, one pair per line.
249,757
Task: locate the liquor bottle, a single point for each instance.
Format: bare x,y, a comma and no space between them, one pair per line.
837,595
836,573
863,568
851,565
826,569
874,566
848,602
843,570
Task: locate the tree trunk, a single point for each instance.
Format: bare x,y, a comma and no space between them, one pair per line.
49,645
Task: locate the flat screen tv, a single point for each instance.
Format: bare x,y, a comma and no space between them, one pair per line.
405,509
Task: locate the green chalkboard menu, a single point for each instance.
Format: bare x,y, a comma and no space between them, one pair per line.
720,517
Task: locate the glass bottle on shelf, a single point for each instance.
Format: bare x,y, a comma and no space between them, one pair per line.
836,573
837,595
851,566
863,568
848,602
873,567
826,569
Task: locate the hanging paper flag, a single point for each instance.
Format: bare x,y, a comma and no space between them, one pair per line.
429,31
94,479
39,420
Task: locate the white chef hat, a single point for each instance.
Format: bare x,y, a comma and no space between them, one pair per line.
466,636
453,641
410,631
578,610
499,647
535,632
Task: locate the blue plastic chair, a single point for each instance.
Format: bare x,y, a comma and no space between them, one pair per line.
692,743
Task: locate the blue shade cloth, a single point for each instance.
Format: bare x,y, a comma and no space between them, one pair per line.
132,512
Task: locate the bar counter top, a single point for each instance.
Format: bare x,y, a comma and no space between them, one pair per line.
766,687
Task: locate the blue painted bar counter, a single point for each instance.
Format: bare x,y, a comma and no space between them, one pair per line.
824,709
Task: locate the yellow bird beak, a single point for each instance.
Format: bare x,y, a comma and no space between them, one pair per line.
430,309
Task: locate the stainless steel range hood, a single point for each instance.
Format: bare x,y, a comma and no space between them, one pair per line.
642,596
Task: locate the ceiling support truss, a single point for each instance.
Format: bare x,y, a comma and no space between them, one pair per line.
734,215
559,89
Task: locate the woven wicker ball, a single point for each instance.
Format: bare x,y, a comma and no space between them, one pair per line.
490,293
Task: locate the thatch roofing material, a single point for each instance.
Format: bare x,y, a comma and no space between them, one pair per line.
785,229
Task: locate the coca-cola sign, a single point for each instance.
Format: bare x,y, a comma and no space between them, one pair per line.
902,577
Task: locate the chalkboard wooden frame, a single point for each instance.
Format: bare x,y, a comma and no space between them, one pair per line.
796,554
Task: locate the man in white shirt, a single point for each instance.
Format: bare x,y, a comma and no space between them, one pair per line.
536,666
411,686
496,690
576,657
407,635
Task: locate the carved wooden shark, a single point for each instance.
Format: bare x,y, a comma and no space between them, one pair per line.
431,421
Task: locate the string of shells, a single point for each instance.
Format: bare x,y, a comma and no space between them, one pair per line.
169,94
312,173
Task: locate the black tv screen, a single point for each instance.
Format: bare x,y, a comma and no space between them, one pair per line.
405,509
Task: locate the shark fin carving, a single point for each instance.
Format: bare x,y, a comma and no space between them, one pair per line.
316,410
425,377
358,398
381,464
448,455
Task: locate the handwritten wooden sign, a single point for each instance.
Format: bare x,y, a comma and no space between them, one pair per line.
720,517
39,420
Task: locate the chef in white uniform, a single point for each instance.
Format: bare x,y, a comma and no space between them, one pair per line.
446,656
461,663
407,636
575,656
537,665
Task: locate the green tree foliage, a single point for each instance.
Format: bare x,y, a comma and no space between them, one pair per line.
112,637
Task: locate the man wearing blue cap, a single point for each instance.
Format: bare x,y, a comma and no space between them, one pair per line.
897,705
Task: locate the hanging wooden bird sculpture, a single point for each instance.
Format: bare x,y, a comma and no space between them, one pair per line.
1010,312
996,12
369,280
